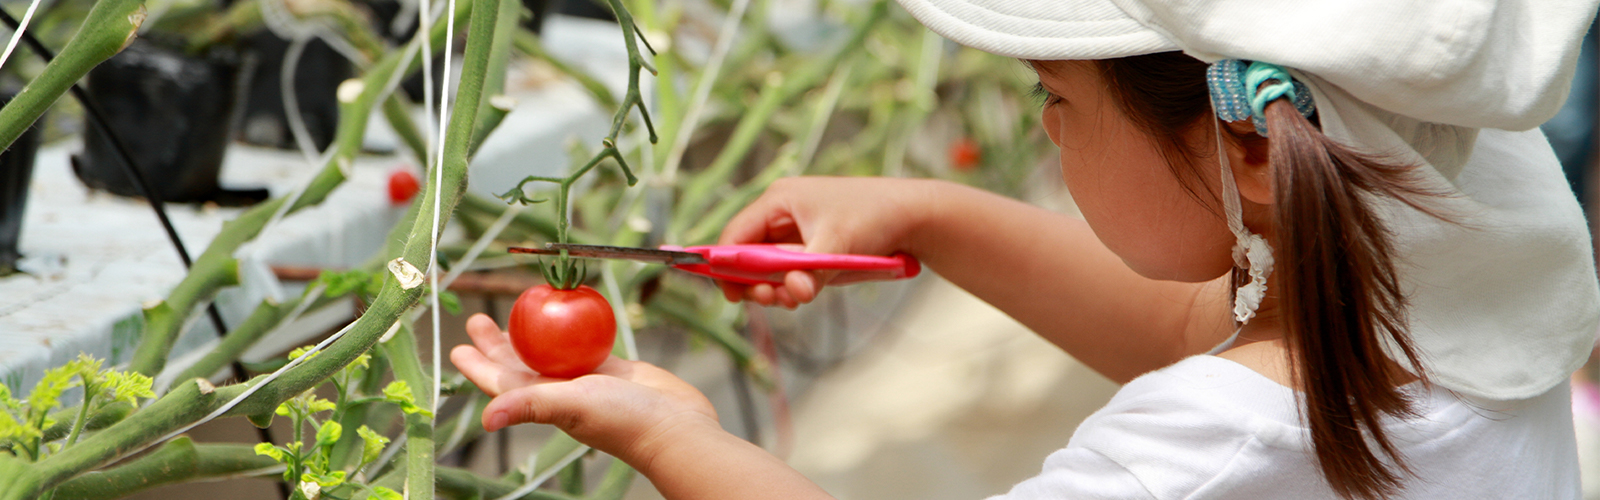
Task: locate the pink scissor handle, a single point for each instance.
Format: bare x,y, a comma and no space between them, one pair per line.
767,263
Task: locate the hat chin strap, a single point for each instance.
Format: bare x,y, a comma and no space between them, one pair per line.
1250,250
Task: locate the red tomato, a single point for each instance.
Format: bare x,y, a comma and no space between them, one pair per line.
965,154
562,333
402,186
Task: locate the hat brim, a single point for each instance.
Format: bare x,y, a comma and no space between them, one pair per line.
1040,29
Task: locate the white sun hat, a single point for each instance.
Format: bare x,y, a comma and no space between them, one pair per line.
1505,304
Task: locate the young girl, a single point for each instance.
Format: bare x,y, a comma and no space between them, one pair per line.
1325,265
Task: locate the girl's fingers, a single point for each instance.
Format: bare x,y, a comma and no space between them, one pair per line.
562,404
761,294
492,341
801,285
759,222
485,333
479,369
784,298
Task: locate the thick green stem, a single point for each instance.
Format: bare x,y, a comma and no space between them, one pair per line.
180,460
402,352
210,273
109,27
397,111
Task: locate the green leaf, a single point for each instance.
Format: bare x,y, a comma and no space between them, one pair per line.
85,367
129,386
450,302
11,429
399,393
318,405
6,402
343,283
301,351
372,444
334,478
283,409
383,493
47,394
269,450
329,434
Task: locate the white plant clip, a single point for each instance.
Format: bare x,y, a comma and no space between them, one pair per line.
1250,252
407,274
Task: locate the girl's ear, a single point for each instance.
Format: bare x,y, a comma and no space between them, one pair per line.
1247,156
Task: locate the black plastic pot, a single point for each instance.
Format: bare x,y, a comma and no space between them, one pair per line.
174,114
317,76
16,172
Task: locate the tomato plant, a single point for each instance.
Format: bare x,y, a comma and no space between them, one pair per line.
402,186
562,333
965,154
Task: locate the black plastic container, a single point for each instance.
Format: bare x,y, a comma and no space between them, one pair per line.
174,113
317,76
16,172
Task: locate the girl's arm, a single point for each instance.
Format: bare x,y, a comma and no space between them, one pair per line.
1046,270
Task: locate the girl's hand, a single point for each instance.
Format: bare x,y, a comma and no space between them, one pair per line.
858,215
628,409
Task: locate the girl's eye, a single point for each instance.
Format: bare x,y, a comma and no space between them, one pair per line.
1042,96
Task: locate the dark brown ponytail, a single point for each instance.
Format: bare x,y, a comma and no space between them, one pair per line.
1339,291
1342,299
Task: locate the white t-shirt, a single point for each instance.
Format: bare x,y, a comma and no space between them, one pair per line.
1207,427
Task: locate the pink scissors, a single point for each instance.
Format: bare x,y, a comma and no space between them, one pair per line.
749,264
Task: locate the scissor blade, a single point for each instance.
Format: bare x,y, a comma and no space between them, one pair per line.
612,252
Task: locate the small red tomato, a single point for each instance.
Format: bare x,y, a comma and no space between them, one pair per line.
402,186
965,154
562,333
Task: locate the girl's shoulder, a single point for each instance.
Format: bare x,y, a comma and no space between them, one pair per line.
1208,424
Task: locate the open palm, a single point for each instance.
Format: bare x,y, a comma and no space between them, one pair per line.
616,409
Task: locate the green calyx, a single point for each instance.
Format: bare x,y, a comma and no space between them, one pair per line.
565,273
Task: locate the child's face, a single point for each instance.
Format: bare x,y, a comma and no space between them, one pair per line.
1125,188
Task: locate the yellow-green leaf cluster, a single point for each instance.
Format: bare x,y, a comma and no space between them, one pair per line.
399,393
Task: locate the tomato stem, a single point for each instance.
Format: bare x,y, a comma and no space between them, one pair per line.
564,274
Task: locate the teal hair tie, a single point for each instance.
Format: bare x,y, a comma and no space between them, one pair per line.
1237,92
1259,73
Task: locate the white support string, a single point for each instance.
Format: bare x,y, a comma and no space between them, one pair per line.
17,36
291,105
438,197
